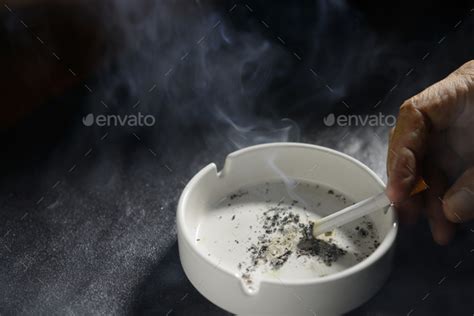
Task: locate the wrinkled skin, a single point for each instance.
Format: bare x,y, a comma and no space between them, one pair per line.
434,138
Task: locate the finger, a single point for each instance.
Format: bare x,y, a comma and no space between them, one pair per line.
441,229
459,200
409,210
406,149
390,136
434,108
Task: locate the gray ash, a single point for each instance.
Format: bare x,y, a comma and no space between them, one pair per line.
281,234
273,247
363,232
276,244
314,247
367,231
238,194
277,262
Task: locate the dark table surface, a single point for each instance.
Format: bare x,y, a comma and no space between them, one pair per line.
87,214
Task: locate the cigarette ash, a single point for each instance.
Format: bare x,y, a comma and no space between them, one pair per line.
238,194
365,232
327,251
282,233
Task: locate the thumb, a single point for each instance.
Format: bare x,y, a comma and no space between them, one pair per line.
458,204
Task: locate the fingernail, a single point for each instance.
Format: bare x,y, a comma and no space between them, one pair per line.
460,202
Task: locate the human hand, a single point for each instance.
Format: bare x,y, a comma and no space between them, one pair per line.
434,138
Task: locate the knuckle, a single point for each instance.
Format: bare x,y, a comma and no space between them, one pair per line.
405,163
408,106
410,109
451,214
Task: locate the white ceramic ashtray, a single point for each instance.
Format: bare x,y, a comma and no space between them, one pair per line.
244,232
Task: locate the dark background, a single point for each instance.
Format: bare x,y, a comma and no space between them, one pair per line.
87,215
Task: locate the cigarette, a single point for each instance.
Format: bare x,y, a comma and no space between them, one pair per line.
358,210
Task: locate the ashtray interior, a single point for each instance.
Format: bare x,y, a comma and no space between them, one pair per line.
263,231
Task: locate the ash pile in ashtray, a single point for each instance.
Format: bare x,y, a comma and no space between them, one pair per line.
325,250
283,230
